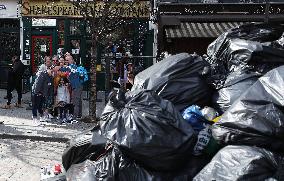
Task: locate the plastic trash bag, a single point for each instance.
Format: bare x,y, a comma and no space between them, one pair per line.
235,85
113,165
258,32
202,126
87,144
242,48
242,163
149,130
209,113
178,79
194,117
203,139
257,117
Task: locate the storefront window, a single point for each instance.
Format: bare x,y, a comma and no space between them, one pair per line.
75,27
61,33
75,50
9,39
88,28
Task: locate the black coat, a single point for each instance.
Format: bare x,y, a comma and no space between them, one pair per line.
18,70
15,73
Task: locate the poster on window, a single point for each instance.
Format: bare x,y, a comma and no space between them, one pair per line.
43,48
75,51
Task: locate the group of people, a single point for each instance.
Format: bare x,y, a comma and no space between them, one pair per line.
57,89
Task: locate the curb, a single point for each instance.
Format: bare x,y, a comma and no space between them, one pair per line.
33,138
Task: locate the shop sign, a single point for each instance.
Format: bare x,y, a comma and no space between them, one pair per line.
139,9
43,22
9,9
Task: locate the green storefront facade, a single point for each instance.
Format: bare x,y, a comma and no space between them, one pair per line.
45,35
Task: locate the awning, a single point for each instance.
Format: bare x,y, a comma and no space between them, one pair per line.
206,30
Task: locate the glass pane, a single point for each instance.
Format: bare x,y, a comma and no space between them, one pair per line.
75,50
75,27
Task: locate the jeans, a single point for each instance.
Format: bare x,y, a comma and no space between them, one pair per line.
18,86
77,101
37,104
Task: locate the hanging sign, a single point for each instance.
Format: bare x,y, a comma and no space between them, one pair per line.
9,9
35,8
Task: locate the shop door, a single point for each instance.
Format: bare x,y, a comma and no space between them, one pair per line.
41,47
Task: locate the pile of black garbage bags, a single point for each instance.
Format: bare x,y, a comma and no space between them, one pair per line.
187,117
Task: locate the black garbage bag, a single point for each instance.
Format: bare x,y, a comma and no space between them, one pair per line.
178,79
236,84
257,117
113,165
88,144
242,163
278,43
257,32
149,130
242,48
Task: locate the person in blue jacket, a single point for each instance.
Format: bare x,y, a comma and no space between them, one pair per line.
76,82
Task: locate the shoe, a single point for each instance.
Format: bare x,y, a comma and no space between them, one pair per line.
6,106
36,122
18,105
69,117
45,117
42,119
49,116
74,121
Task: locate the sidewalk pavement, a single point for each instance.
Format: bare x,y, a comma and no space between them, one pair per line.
25,148
18,122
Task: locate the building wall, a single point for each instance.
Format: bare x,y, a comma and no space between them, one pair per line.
9,36
189,45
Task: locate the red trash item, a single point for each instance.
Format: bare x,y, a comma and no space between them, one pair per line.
57,169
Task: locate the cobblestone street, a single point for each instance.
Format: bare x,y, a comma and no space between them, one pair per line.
25,147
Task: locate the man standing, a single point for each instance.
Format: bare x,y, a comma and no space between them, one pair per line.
76,82
15,75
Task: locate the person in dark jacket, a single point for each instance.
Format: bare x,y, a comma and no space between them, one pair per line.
15,76
42,89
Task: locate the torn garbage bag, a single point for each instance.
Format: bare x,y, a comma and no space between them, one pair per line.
178,79
257,117
235,85
149,130
242,163
87,144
